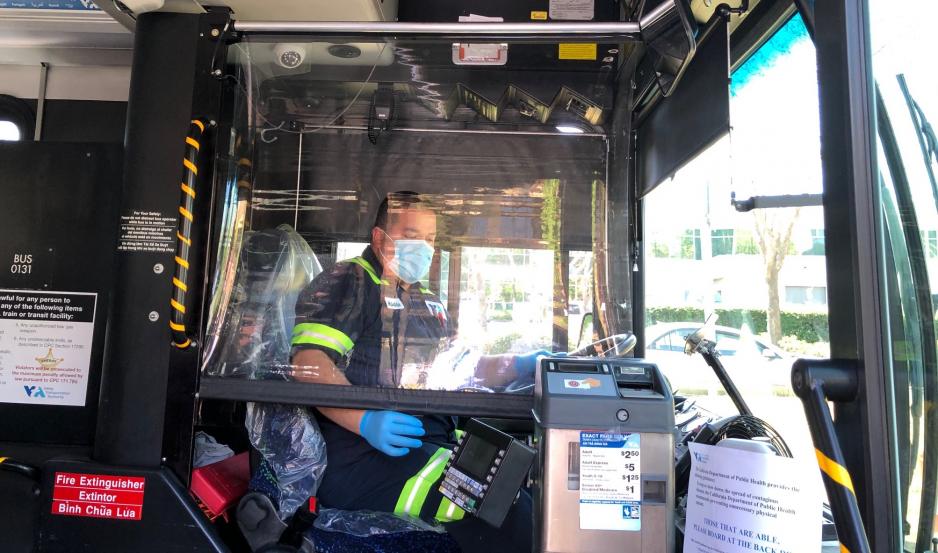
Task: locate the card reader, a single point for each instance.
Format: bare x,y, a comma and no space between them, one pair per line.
486,471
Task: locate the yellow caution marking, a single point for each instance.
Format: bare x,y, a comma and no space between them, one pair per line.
180,284
183,239
183,345
576,51
539,16
188,190
190,166
834,470
843,549
244,162
192,142
182,262
177,306
2,459
185,213
199,124
179,327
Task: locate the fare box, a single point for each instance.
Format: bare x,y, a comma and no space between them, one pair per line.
98,496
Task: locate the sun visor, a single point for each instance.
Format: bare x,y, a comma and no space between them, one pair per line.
694,116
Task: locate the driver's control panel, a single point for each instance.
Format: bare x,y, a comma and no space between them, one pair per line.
486,471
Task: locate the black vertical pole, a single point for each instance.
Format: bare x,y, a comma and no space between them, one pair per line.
136,364
853,229
811,381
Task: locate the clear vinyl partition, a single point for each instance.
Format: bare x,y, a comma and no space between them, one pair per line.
412,221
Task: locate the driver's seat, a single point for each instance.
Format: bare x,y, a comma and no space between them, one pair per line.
253,341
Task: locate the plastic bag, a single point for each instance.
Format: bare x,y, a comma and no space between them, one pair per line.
208,450
251,338
294,452
369,523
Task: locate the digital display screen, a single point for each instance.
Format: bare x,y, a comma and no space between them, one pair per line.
476,457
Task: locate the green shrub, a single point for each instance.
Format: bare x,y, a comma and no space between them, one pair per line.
806,327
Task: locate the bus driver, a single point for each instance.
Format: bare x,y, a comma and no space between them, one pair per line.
360,323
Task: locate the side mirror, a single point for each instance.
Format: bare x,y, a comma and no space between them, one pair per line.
587,319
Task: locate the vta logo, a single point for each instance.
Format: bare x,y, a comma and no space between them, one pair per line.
34,391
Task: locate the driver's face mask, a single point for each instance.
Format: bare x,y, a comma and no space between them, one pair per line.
411,260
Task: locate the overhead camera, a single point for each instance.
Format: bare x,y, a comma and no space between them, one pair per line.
289,55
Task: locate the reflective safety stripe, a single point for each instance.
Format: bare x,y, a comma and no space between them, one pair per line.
192,142
177,327
449,511
322,335
843,549
368,269
177,306
416,489
190,166
2,459
834,470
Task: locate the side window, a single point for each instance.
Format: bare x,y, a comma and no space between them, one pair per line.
762,272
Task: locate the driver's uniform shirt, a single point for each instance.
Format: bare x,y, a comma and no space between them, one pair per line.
379,334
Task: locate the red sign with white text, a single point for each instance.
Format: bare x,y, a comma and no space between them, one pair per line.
98,496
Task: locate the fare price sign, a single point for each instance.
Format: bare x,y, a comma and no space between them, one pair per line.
98,496
610,481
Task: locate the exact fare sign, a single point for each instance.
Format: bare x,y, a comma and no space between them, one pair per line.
98,496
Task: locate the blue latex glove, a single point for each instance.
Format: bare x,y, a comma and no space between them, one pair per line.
527,362
389,431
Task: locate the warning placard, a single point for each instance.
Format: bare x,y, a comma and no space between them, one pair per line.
45,346
98,496
147,231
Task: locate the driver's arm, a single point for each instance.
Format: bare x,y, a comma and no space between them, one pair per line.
313,365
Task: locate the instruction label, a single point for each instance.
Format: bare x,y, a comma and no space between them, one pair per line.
581,10
45,346
98,496
147,231
573,51
610,481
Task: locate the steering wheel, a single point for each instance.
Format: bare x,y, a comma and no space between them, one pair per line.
617,345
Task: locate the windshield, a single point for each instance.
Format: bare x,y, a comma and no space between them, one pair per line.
428,216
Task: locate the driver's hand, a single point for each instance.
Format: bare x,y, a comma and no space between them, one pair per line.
390,432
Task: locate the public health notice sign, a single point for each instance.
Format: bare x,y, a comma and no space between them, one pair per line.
743,501
45,346
98,496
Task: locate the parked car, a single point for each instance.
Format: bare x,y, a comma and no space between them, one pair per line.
755,365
